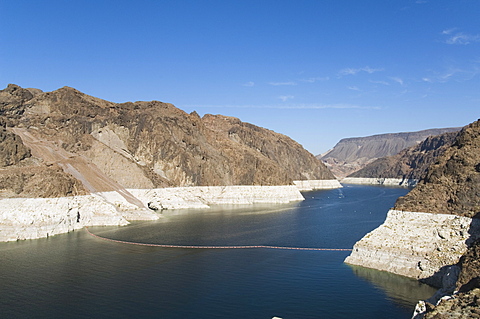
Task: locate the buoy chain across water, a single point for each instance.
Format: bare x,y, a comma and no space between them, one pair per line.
213,247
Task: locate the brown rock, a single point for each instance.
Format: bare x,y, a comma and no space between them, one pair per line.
147,144
352,154
411,163
452,184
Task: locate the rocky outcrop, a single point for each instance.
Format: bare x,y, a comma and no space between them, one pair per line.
352,154
12,149
28,218
408,165
434,224
57,146
452,184
469,264
460,306
417,245
158,143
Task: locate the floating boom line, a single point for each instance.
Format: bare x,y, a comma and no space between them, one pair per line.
214,247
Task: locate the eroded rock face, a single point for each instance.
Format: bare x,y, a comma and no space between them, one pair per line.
446,202
452,184
463,305
156,142
12,150
416,245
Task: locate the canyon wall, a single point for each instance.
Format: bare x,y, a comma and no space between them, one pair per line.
69,160
435,225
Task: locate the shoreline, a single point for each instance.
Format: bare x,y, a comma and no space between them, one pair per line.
380,181
32,218
415,244
418,245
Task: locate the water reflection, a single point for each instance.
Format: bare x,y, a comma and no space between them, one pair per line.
402,290
49,277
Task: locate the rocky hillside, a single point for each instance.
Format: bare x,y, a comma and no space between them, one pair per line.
351,154
465,303
452,184
432,232
411,163
83,144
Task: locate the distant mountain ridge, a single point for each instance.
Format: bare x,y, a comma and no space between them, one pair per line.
351,154
411,163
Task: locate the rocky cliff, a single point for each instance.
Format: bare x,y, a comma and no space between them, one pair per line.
351,154
430,228
411,163
452,184
155,142
61,148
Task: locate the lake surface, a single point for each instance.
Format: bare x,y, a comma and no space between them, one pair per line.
76,275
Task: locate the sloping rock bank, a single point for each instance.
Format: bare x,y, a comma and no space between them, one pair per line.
203,197
310,185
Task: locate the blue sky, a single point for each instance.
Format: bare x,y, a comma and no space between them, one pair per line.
317,71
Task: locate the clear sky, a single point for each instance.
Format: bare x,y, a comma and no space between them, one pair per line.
317,71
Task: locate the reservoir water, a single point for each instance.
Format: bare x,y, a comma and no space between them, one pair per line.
76,275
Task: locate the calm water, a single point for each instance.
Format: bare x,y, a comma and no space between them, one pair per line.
78,276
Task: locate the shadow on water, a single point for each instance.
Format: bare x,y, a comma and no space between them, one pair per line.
402,290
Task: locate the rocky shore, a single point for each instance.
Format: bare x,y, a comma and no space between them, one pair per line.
30,218
310,185
433,232
69,160
416,245
380,181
